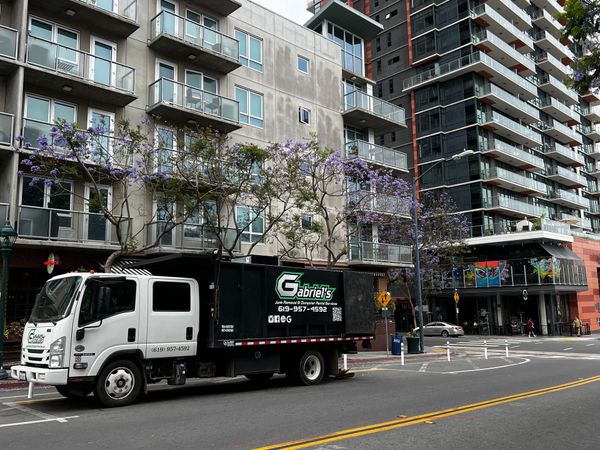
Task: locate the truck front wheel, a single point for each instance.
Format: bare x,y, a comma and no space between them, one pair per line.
311,368
119,383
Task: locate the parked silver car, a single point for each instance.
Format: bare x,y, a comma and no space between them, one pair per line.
444,329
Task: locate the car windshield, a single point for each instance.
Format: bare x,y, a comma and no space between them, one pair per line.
53,302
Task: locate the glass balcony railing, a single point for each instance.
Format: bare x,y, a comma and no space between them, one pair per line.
518,153
523,130
546,78
543,56
513,204
65,225
375,252
193,33
189,236
9,40
380,203
362,100
566,173
6,128
589,129
512,100
123,8
182,95
560,194
563,49
516,178
4,212
377,154
551,101
548,16
562,150
75,63
503,22
522,58
520,226
556,125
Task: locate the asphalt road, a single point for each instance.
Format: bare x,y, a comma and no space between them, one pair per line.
541,396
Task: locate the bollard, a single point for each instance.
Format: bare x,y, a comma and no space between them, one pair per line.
485,349
448,350
402,353
30,390
345,361
506,346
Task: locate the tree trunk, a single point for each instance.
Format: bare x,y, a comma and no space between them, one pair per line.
112,258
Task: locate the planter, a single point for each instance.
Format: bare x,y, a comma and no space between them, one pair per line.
412,344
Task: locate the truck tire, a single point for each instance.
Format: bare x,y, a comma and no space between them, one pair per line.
310,368
74,390
119,383
259,378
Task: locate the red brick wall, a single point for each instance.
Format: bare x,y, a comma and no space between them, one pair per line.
584,307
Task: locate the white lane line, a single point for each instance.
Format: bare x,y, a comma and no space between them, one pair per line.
568,348
39,414
424,367
16,424
589,345
515,346
526,360
472,363
35,394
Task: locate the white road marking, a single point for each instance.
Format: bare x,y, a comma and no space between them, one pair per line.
491,368
61,420
39,414
589,345
568,348
472,363
35,394
424,367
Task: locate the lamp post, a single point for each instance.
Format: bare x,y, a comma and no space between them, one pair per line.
416,231
8,236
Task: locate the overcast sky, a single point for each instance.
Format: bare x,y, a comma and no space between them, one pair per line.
292,9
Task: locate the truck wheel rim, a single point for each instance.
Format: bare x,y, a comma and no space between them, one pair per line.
119,383
312,368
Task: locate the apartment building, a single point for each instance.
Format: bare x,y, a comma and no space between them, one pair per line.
488,76
231,65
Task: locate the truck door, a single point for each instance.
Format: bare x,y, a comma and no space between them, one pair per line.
108,321
172,318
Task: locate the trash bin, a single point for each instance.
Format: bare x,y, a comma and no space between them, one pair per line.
396,343
412,342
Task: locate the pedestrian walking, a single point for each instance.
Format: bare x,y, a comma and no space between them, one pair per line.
530,327
577,326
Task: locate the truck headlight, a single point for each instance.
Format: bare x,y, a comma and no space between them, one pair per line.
57,353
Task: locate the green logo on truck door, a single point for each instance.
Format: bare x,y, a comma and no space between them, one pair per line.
289,287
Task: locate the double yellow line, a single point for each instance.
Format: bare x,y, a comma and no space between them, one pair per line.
408,421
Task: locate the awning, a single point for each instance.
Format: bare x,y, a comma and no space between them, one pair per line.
561,252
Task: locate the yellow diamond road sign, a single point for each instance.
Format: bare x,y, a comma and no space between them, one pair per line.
456,297
384,298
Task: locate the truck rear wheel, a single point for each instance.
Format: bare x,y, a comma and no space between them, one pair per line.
119,383
311,368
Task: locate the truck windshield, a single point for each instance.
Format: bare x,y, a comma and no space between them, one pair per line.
53,302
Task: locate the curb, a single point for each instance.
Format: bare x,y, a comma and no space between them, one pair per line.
13,384
397,357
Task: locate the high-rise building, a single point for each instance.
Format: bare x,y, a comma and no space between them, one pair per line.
227,64
488,76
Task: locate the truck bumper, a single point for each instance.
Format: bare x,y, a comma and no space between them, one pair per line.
40,375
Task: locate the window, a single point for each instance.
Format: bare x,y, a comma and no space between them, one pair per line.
106,297
393,138
38,193
63,57
166,157
306,222
391,14
378,44
391,86
378,65
250,50
393,60
379,89
304,115
251,106
201,217
250,223
171,296
352,48
42,112
389,39
101,150
303,64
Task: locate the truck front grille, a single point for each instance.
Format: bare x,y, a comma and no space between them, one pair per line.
35,357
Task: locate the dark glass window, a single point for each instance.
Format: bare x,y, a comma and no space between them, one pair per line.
171,296
104,298
424,46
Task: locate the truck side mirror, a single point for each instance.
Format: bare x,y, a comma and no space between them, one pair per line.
80,334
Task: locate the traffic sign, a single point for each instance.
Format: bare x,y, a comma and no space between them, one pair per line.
384,298
456,296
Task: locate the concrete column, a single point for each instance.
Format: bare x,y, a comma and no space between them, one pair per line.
543,317
499,315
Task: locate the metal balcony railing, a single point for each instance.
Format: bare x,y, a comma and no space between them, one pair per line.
515,178
123,8
6,128
520,226
88,67
566,173
518,153
189,236
377,106
501,20
9,40
376,252
513,204
4,208
377,154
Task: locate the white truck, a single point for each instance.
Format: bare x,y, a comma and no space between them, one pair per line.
113,334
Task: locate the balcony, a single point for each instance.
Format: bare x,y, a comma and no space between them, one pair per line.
565,198
181,103
592,113
336,11
492,45
560,132
111,17
514,156
512,12
544,40
201,47
547,62
513,181
566,177
379,203
563,154
222,7
377,154
593,169
508,128
552,6
488,17
6,129
545,20
375,253
69,226
558,110
510,105
4,209
188,237
591,131
478,62
592,150
9,44
517,226
557,88
362,110
514,207
55,67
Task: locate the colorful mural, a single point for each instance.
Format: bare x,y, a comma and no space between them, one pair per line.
546,268
487,274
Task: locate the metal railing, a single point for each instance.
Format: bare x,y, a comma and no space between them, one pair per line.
510,98
509,149
520,226
588,129
508,175
523,130
377,202
548,16
515,205
9,41
377,154
566,173
194,33
523,58
563,150
560,194
377,252
182,95
551,101
88,67
546,78
542,55
377,106
6,128
543,34
123,8
4,208
189,236
65,225
501,20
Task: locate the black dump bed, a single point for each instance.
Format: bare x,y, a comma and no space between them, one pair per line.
253,302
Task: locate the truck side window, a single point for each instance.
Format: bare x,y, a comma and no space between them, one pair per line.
102,300
169,296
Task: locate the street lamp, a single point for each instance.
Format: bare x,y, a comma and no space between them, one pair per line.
8,236
416,231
